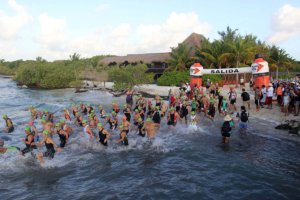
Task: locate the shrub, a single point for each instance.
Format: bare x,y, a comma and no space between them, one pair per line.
215,78
173,78
129,76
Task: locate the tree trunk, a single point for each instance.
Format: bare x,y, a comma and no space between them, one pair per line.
276,72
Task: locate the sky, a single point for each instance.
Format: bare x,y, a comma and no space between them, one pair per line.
55,29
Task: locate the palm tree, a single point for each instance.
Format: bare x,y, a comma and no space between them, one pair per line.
279,58
180,59
213,54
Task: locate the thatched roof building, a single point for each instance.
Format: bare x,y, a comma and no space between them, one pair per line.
192,42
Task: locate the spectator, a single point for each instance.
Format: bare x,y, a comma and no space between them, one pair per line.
279,92
286,101
270,93
257,97
264,96
246,98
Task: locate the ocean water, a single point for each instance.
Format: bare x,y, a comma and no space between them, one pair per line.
180,163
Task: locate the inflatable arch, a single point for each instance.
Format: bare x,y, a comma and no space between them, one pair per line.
259,70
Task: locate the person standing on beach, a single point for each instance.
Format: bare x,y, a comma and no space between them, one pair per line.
270,93
264,96
232,99
246,98
257,97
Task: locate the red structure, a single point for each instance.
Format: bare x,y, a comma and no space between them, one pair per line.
196,73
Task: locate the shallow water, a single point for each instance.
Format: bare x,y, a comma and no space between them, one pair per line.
178,164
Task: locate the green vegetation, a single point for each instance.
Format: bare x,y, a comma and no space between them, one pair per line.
129,76
215,78
231,50
173,78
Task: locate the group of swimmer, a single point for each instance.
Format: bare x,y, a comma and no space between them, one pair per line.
142,116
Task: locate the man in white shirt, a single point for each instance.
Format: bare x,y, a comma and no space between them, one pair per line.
270,92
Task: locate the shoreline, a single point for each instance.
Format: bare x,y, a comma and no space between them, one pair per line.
274,115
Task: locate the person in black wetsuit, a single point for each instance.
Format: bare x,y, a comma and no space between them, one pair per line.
103,134
184,112
123,137
172,117
78,119
63,136
156,116
127,112
50,146
90,109
83,109
140,127
29,141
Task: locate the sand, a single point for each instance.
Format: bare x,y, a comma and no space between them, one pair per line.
274,115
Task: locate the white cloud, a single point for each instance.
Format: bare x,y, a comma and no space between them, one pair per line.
102,8
53,35
285,24
10,25
160,37
123,39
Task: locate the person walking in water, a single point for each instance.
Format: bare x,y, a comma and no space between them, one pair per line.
103,135
9,127
226,129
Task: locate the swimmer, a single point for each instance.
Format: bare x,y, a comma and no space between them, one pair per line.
140,126
172,117
156,116
50,146
87,131
125,124
29,141
123,137
67,114
151,128
127,112
9,127
65,127
63,136
103,135
3,149
102,112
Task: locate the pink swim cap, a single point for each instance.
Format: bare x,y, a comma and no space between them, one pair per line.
31,123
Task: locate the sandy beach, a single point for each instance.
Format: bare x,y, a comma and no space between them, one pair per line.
274,115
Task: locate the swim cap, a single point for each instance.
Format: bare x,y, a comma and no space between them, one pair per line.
125,105
140,108
46,132
4,116
88,104
121,126
113,113
84,121
57,124
100,106
62,121
107,115
93,111
31,123
136,110
46,110
193,113
43,121
27,128
100,124
148,120
140,119
172,109
157,107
